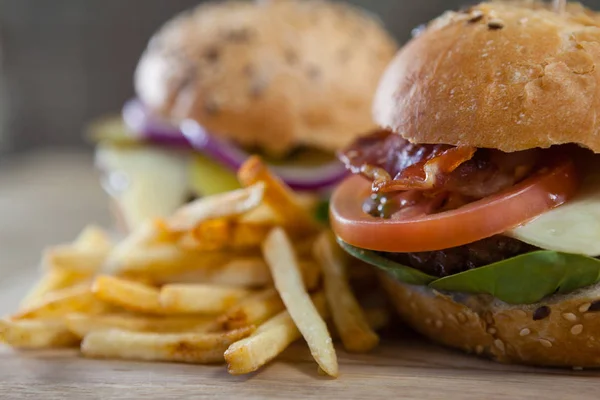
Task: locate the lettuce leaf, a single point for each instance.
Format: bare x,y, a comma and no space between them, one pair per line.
523,279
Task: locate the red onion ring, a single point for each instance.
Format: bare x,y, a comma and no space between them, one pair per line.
298,178
147,126
141,122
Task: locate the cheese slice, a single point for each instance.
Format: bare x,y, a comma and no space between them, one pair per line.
573,227
146,182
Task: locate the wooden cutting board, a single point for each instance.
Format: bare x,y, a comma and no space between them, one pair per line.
48,198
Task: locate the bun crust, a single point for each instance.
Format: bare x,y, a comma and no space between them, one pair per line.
510,76
271,74
561,331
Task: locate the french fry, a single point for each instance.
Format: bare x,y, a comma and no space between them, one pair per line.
36,334
224,234
277,196
248,272
130,295
50,281
252,310
82,261
349,318
73,299
311,273
82,324
91,240
229,204
268,341
287,277
162,259
201,348
199,298
377,317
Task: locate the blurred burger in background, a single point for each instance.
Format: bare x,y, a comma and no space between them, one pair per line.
292,81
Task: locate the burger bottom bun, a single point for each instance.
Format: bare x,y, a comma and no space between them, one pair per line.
561,331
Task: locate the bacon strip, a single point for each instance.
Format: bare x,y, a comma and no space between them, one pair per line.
394,164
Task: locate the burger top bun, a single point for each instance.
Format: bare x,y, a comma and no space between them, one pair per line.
271,74
560,331
504,75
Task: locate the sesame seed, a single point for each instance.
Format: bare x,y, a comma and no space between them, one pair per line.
494,24
439,324
492,331
238,35
577,329
546,343
452,318
570,317
577,368
211,107
313,72
524,332
541,313
584,307
500,345
595,306
291,57
428,321
475,16
479,349
520,312
211,54
461,317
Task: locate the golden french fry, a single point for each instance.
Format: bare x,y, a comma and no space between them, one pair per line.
268,341
226,234
246,272
311,273
348,316
377,317
162,259
263,215
36,334
229,204
83,261
277,195
279,253
51,281
253,310
201,348
199,298
56,304
130,295
82,324
93,238
90,241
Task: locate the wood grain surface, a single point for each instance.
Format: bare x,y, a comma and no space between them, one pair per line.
48,198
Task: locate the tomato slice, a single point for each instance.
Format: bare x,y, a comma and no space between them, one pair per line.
547,189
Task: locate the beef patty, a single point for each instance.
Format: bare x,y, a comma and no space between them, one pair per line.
451,261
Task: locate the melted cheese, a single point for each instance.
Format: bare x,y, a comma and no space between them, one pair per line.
573,227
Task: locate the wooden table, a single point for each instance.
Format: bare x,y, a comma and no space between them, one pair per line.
48,198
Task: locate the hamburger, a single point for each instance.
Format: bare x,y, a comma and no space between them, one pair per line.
292,81
479,197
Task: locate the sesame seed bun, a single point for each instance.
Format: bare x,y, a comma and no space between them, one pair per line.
510,76
560,331
271,74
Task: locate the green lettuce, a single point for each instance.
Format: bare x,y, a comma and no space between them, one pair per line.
523,279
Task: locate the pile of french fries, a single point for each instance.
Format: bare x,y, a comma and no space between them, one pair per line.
234,278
